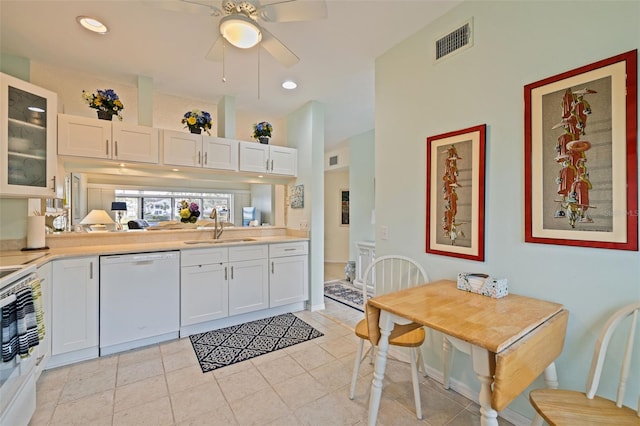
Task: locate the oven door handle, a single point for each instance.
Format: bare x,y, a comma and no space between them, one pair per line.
7,300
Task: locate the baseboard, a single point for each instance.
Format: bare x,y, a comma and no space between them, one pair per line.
316,307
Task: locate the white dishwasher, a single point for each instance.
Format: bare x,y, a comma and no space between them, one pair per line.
139,300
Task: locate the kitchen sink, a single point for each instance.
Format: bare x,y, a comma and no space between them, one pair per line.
229,240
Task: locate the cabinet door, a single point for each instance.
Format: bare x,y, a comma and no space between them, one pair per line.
204,293
134,143
75,304
254,157
28,163
181,148
289,280
283,160
84,137
248,286
220,153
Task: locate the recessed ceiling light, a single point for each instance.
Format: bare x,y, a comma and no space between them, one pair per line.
92,24
175,170
289,85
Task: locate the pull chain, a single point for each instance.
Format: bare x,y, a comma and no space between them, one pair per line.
224,78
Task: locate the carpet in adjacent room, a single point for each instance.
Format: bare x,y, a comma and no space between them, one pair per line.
345,293
226,346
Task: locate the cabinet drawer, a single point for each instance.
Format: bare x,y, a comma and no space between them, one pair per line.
248,252
205,256
288,249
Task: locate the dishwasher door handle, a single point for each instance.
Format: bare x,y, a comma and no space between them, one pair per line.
143,262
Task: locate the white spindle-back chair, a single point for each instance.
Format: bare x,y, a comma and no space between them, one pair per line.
564,407
387,274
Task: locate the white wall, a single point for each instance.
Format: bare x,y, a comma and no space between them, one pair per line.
362,184
336,236
516,43
167,109
305,128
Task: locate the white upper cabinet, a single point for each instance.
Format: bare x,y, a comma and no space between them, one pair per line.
272,159
28,161
109,140
193,150
220,153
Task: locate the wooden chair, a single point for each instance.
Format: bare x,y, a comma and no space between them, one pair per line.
387,274
564,407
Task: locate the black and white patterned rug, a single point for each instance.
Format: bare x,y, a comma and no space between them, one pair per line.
345,293
219,348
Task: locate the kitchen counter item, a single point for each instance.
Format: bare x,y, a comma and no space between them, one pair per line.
125,280
35,232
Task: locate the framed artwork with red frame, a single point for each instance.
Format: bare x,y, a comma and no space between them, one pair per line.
581,159
455,193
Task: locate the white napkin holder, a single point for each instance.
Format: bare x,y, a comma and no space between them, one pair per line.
482,284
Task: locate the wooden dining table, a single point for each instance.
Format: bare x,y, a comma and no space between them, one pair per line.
512,340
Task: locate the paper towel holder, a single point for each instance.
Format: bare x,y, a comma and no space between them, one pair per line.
42,237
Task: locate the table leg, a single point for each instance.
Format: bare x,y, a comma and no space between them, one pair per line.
386,325
483,365
551,376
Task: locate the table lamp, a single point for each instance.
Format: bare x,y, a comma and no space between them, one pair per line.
96,219
118,207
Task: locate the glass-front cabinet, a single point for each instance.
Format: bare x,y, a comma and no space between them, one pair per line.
28,130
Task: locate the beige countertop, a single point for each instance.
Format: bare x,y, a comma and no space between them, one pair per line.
71,245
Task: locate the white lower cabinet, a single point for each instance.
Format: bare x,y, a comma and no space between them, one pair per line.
204,285
74,326
248,279
289,273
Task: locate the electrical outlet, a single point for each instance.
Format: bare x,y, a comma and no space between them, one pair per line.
384,232
304,225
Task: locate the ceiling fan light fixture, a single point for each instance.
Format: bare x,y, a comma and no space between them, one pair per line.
240,30
92,24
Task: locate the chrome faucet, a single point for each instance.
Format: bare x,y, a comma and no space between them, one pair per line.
216,232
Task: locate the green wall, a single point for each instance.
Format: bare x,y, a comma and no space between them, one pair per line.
515,43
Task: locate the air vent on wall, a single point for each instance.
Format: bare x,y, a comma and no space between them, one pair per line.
459,39
333,161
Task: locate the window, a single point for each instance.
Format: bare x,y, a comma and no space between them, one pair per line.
160,206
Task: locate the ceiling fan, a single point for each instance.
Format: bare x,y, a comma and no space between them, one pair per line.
240,25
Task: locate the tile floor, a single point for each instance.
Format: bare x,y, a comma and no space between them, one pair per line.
306,384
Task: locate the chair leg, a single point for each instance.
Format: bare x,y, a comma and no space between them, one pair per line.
447,354
422,362
356,369
416,384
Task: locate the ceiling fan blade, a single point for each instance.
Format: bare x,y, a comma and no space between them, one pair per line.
278,50
215,51
292,11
